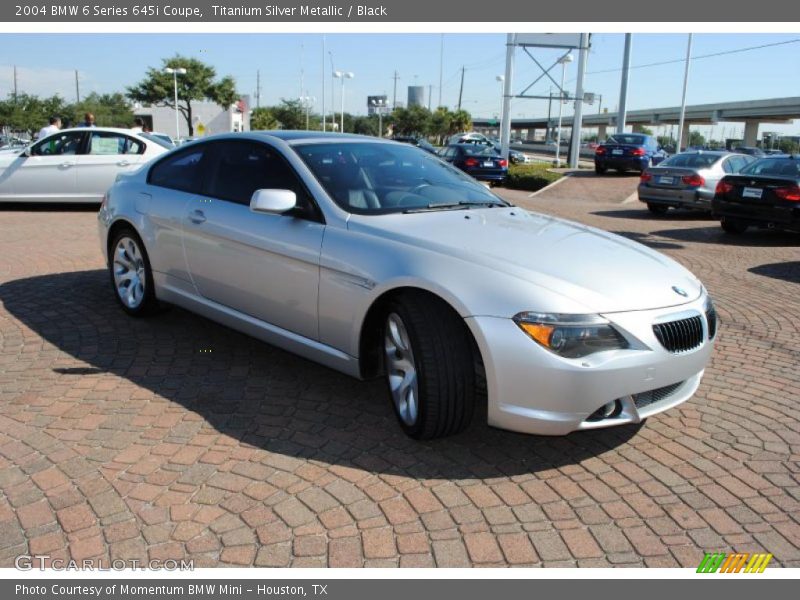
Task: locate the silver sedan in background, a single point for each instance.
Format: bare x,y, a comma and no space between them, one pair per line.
378,259
688,179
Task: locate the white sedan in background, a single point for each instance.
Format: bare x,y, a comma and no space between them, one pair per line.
74,165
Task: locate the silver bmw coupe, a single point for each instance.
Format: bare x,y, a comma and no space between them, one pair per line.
376,258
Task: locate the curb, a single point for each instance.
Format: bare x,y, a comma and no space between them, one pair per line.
548,186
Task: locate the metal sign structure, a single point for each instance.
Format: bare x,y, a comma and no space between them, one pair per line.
565,41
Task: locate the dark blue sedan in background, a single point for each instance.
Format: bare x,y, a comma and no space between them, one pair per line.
480,161
626,152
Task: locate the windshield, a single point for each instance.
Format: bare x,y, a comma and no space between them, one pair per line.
636,140
695,161
379,178
781,167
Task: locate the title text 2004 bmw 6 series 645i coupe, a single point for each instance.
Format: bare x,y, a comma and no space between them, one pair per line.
377,259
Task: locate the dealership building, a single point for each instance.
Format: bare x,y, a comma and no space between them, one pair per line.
208,118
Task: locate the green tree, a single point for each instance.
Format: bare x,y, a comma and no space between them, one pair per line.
645,130
460,121
787,146
199,83
290,114
365,125
262,119
109,110
696,139
29,113
414,120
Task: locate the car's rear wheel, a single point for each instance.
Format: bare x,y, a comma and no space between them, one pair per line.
599,170
658,209
733,226
429,366
131,276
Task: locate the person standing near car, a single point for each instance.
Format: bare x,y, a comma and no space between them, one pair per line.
138,125
88,120
55,125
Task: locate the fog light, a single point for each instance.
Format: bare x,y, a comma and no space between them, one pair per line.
607,411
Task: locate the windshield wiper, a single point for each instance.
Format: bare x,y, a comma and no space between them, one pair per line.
462,205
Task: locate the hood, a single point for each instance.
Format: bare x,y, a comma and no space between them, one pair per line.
602,271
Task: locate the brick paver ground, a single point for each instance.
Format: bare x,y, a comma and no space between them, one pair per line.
173,437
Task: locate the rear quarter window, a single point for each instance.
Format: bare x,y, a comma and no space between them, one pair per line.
181,171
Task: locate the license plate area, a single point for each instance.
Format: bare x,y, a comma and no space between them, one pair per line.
617,152
749,192
666,180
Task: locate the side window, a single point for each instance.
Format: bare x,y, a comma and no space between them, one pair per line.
729,166
68,142
107,142
181,171
243,167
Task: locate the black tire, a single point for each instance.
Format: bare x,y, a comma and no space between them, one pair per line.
442,354
733,226
600,170
657,209
148,304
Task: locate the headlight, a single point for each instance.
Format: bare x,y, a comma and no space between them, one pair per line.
571,336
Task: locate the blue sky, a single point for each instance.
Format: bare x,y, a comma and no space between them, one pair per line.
110,62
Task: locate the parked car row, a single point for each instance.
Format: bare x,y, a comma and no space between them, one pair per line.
740,190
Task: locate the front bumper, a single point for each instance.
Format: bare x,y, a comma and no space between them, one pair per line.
532,390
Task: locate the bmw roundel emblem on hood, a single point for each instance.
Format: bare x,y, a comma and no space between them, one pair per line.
679,291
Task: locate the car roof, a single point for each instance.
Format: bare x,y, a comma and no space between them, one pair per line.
293,136
108,129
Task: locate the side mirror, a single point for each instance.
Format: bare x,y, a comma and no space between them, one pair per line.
27,151
274,202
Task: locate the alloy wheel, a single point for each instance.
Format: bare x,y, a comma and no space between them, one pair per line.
130,276
401,370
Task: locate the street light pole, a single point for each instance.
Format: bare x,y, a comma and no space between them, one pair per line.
563,61
175,73
683,97
501,80
343,75
379,105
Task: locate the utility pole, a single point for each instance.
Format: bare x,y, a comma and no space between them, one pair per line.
461,89
622,116
549,111
508,81
394,96
683,97
77,88
441,64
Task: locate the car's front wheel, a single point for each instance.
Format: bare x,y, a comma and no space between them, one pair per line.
429,366
131,276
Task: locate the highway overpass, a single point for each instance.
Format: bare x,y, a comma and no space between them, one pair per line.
750,112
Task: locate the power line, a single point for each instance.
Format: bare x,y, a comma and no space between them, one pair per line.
699,56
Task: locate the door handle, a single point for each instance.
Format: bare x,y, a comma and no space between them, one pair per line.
123,163
197,216
66,165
